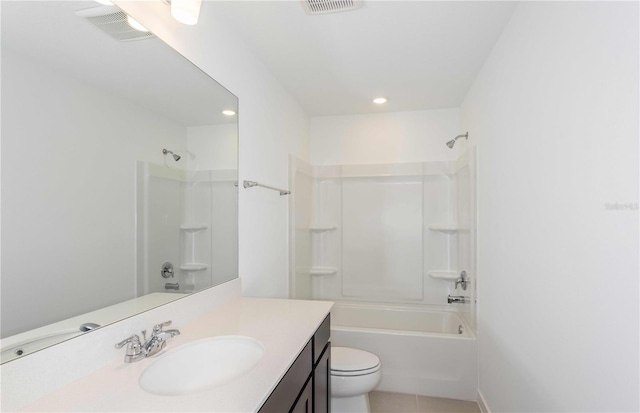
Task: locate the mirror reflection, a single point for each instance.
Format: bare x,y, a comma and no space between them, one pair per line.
118,173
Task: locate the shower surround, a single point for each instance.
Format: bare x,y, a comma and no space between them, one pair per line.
392,236
396,233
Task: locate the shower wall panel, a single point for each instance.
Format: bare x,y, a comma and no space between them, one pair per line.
224,230
161,231
466,216
382,238
327,245
384,233
300,283
439,247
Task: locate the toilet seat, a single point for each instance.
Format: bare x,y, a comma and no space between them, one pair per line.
346,361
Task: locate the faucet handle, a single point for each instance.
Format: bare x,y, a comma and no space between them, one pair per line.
463,281
134,349
158,327
134,340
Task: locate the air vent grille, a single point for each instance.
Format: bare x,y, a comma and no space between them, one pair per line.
330,6
113,21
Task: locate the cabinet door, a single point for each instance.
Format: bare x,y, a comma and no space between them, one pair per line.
305,401
322,384
285,394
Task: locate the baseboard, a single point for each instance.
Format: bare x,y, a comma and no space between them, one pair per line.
482,403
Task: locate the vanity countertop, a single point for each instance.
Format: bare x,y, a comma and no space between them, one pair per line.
283,326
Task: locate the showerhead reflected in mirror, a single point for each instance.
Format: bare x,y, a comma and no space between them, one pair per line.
452,142
175,156
86,228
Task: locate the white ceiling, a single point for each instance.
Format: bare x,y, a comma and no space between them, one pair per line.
420,54
146,72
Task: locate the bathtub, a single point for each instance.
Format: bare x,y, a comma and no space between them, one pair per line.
422,351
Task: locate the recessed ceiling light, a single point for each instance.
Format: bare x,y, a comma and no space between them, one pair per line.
228,112
136,25
380,100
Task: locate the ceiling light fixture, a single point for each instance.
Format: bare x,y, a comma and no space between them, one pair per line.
380,100
185,11
228,112
136,24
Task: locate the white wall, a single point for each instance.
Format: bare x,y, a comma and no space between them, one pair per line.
554,112
416,136
216,147
56,147
271,125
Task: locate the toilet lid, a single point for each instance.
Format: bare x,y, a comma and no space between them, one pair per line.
351,361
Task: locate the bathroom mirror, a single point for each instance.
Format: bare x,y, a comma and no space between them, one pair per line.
118,173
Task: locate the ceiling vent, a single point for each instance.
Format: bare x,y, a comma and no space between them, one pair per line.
113,21
330,6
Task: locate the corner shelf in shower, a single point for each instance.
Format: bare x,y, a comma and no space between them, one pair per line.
446,228
317,271
322,228
193,227
444,275
193,267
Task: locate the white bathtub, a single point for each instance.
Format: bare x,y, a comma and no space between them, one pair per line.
422,351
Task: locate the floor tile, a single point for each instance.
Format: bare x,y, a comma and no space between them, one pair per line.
439,405
385,402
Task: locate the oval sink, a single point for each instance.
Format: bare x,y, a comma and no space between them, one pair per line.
201,365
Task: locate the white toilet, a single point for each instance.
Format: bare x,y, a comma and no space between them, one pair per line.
354,373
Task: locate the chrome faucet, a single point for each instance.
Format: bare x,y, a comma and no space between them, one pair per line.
158,338
457,299
137,351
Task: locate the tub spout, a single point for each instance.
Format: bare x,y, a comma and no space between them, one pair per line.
457,299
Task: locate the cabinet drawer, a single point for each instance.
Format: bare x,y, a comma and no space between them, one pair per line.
321,338
287,391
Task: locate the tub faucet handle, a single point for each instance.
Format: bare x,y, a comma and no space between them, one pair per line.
463,280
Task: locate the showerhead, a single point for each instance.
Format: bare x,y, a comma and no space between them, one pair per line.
175,156
453,142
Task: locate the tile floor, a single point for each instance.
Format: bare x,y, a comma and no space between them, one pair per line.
385,402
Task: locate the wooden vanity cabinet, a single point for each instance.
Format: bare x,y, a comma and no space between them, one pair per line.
305,388
321,382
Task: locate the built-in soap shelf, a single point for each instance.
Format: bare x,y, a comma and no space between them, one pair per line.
446,228
322,228
444,275
319,271
193,227
193,267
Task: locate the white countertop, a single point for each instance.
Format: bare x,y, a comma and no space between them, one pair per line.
283,327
